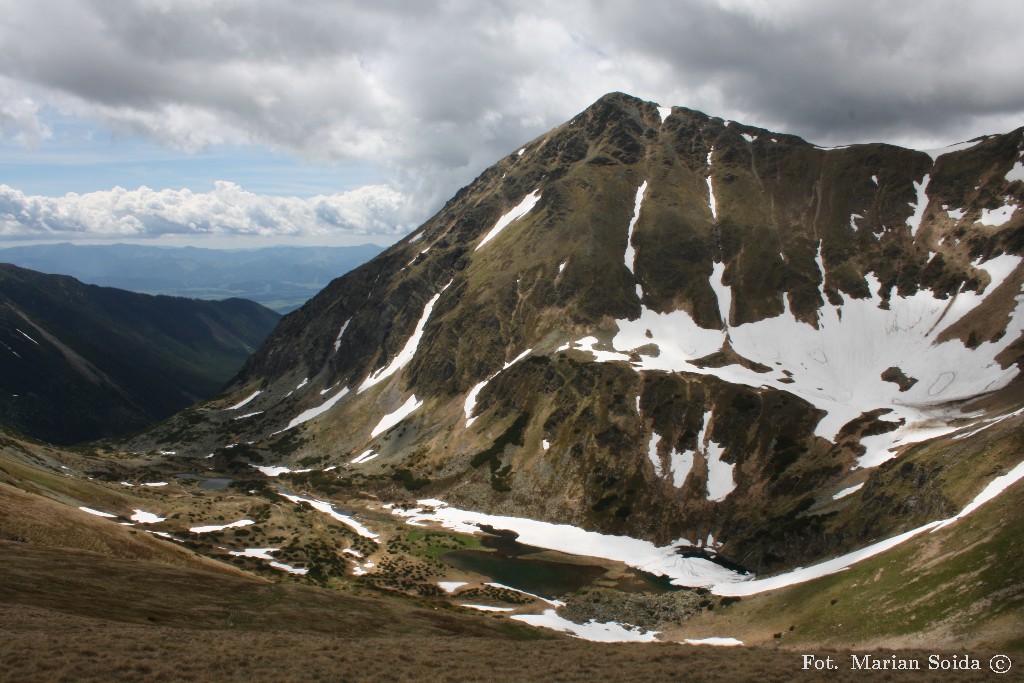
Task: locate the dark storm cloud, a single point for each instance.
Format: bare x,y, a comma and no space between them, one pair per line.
436,91
834,71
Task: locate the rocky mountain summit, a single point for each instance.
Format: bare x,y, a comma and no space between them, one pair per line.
657,323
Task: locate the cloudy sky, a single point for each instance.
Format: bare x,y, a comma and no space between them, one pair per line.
328,122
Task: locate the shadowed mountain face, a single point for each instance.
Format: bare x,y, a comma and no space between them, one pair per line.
80,362
655,322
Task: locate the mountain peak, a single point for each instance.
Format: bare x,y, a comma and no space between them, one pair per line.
657,322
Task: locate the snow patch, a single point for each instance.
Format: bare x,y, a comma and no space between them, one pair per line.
720,475
272,470
956,214
221,527
328,509
748,138
265,554
143,517
408,351
1015,173
341,333
365,456
680,465
845,492
307,415
488,608
721,642
98,513
555,603
451,586
711,189
997,217
520,210
470,404
608,632
392,419
630,252
920,205
652,453
245,401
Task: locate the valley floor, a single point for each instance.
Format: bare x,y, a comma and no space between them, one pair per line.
39,644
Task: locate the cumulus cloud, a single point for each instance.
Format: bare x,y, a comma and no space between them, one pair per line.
226,211
437,91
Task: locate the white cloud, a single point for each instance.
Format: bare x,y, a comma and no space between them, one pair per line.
227,210
435,92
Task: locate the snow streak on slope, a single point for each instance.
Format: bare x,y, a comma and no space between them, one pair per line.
993,489
652,453
848,491
922,203
245,400
98,513
220,527
720,481
837,366
711,189
341,333
630,252
265,554
680,464
307,415
365,456
328,509
597,632
470,405
714,640
407,353
392,419
523,208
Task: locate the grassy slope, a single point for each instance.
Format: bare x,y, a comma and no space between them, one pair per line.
959,587
83,598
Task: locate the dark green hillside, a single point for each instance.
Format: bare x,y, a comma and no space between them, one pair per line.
80,362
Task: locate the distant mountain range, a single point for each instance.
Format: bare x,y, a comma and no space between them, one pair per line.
80,362
281,278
